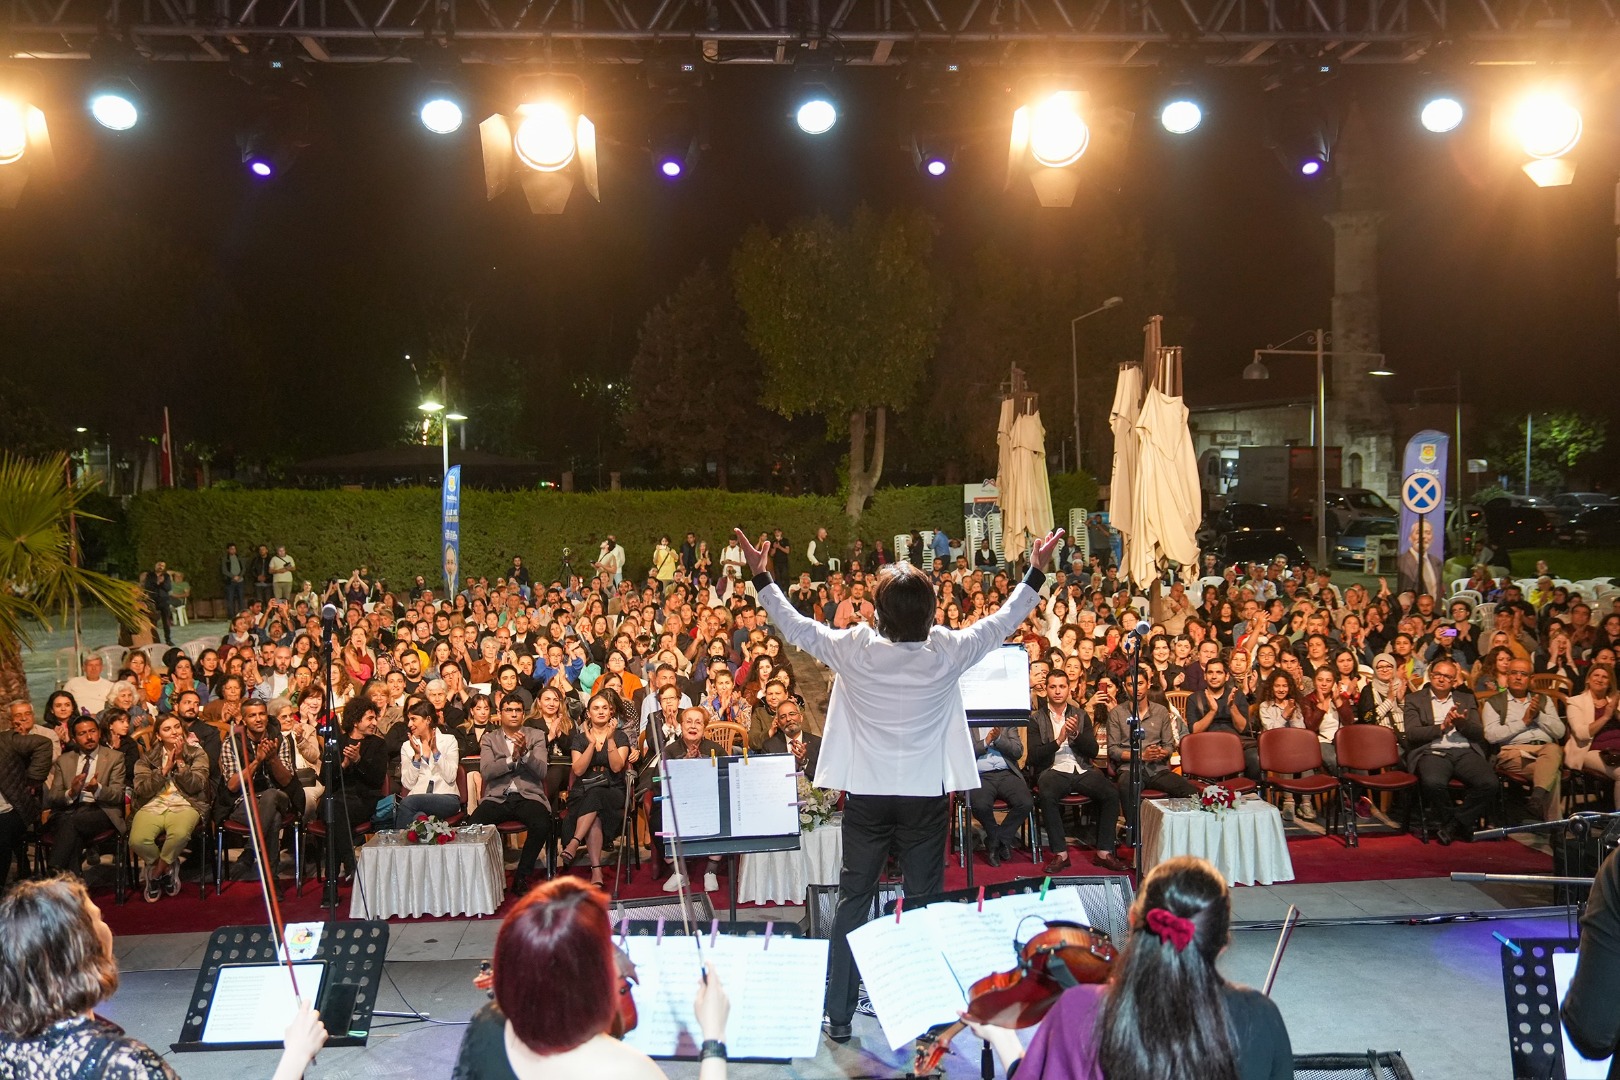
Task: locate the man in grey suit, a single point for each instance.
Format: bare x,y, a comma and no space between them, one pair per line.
85,794
1445,740
1158,743
512,759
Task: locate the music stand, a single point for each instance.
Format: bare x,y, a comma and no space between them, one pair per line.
1535,1033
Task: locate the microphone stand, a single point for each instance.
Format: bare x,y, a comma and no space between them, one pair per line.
329,772
1137,733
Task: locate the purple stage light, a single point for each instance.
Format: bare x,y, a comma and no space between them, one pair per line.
670,168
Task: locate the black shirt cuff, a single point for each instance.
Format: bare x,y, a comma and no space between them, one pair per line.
1034,579
762,581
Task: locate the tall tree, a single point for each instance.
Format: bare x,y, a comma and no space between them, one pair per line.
694,383
845,319
1563,441
40,575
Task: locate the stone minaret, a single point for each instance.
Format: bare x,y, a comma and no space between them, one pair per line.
1358,419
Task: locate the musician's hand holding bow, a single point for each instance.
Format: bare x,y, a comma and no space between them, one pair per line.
1004,1041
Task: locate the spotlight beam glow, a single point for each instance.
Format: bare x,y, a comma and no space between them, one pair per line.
114,112
13,131
1441,114
1181,117
816,116
441,116
1547,126
1057,134
545,137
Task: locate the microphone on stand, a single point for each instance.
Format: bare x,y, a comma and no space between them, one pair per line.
329,620
1141,629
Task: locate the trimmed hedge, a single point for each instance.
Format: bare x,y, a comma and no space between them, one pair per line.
395,532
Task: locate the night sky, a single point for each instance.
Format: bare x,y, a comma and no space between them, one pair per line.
379,218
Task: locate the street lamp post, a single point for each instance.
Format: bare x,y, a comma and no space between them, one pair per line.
1258,370
1074,365
440,405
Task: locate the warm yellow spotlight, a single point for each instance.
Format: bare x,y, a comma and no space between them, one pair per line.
13,130
1057,134
1546,125
545,136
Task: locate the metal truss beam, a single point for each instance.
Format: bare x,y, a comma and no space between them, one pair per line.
1111,33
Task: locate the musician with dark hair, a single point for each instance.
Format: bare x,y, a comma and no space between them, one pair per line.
1166,1014
896,739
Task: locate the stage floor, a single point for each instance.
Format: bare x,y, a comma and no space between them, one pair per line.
1431,991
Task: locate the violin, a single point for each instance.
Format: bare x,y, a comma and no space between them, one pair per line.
624,1013
1020,998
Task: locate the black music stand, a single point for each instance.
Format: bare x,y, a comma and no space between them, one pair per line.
1535,1033
353,952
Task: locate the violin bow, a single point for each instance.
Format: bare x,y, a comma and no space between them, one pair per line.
261,852
1290,921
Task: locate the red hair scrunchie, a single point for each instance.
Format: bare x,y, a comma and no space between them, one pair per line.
1169,927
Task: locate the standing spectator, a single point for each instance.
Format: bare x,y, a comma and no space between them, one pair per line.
731,560
688,554
85,793
282,568
616,553
942,549
90,690
664,562
519,574
259,571
780,550
232,571
157,586
816,553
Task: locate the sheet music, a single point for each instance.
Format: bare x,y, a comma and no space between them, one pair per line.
776,994
1576,1067
254,1003
978,943
694,791
998,683
764,796
910,984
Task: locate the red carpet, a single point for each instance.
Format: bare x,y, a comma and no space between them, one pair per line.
1316,860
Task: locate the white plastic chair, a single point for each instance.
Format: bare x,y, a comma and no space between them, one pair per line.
1458,585
112,659
1484,613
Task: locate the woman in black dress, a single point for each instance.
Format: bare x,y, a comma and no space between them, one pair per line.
365,768
596,803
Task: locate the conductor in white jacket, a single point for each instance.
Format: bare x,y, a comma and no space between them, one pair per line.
896,738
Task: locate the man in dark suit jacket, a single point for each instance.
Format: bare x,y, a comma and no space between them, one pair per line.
85,793
998,751
791,738
1062,750
25,761
1445,740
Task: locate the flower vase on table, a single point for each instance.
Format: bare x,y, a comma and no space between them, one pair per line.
817,806
1216,800
429,830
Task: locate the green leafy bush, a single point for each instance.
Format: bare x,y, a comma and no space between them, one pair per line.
395,532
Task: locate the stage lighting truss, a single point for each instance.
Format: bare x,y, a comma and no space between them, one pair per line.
115,104
1056,133
25,144
545,142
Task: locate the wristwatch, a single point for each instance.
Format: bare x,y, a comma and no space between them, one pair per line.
712,1048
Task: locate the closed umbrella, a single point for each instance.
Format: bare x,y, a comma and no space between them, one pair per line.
1122,484
1026,504
1165,499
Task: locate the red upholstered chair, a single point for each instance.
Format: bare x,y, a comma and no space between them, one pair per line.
1286,754
1215,757
1368,759
231,829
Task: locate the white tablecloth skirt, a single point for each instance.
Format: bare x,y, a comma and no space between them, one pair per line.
785,877
1246,844
461,878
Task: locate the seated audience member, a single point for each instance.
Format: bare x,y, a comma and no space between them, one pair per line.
1446,740
764,723
561,934
90,690
596,801
1158,743
85,794
1527,733
512,761
792,738
1327,709
429,762
1062,747
363,763
1594,736
1220,706
255,758
171,797
692,744
115,736
57,967
1383,697
1202,1027
998,752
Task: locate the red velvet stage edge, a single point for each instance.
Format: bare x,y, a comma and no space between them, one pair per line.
1316,860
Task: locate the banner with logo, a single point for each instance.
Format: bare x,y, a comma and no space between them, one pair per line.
452,530
1423,513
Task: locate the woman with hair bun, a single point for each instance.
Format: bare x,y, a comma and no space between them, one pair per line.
1166,1014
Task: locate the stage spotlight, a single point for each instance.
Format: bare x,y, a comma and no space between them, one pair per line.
1310,166
1547,126
114,104
13,131
672,138
936,166
1181,117
817,114
1057,134
441,115
545,136
1441,114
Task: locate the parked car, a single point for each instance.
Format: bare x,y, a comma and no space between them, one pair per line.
1596,526
1241,518
1345,505
1571,503
1350,550
1518,524
1255,546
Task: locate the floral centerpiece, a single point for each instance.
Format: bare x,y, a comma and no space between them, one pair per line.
816,805
429,830
1216,799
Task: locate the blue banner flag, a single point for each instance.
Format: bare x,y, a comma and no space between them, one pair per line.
1423,513
452,530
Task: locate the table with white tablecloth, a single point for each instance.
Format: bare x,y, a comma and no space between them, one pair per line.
785,877
394,877
1246,843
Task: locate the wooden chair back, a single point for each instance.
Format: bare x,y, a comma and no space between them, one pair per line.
726,734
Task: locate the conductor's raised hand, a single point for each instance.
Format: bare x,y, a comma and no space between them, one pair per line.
1040,556
757,558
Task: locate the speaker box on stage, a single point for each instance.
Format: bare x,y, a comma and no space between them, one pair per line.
821,906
